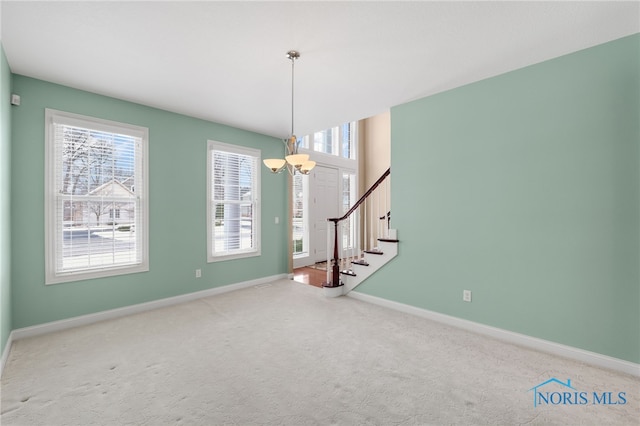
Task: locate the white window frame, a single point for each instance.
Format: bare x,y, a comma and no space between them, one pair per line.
257,216
53,238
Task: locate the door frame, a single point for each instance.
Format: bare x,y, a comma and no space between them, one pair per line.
343,165
316,241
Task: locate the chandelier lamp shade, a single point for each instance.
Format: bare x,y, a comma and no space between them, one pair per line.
276,165
293,161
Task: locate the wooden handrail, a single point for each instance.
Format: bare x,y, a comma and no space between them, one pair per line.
335,268
364,197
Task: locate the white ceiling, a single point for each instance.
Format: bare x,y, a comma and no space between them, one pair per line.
225,61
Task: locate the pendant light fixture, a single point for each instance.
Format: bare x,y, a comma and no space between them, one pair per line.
293,161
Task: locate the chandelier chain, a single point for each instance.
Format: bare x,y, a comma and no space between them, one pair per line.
292,55
293,162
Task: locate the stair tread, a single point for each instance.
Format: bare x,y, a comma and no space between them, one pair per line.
388,240
378,252
360,262
350,273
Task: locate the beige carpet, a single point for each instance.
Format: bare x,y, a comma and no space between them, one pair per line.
283,354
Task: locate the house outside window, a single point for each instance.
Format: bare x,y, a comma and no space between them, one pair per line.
233,208
90,171
114,213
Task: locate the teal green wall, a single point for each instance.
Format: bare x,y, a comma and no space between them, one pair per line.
177,208
524,189
5,195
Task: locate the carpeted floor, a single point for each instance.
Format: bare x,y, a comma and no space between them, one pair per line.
283,354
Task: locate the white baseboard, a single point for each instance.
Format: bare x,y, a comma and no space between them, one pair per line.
588,357
50,327
5,353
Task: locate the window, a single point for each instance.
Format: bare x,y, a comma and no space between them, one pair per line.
348,139
339,141
233,208
349,191
300,215
323,141
96,198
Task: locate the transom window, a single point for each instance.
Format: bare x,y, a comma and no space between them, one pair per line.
96,201
339,141
233,208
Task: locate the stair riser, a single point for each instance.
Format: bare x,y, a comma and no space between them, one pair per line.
375,262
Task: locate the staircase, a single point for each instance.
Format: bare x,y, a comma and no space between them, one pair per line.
361,241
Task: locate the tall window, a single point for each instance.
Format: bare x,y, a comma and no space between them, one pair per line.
300,214
233,208
349,192
348,140
96,201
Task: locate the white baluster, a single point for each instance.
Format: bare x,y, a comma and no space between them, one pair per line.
356,243
354,231
386,210
379,234
341,246
371,224
328,251
389,195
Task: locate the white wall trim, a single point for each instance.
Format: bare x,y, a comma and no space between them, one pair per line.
592,358
5,353
49,327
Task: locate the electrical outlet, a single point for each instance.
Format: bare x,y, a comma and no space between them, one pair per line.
198,273
466,295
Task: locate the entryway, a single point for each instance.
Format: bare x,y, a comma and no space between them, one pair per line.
324,202
314,275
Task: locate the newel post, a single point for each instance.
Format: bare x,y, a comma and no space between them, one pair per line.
335,263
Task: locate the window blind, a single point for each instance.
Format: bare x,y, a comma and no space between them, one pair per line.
233,210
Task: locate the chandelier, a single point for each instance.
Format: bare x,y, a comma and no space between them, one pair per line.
293,161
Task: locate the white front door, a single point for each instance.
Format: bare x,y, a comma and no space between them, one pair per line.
325,203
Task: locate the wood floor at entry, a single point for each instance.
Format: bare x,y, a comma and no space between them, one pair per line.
313,275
